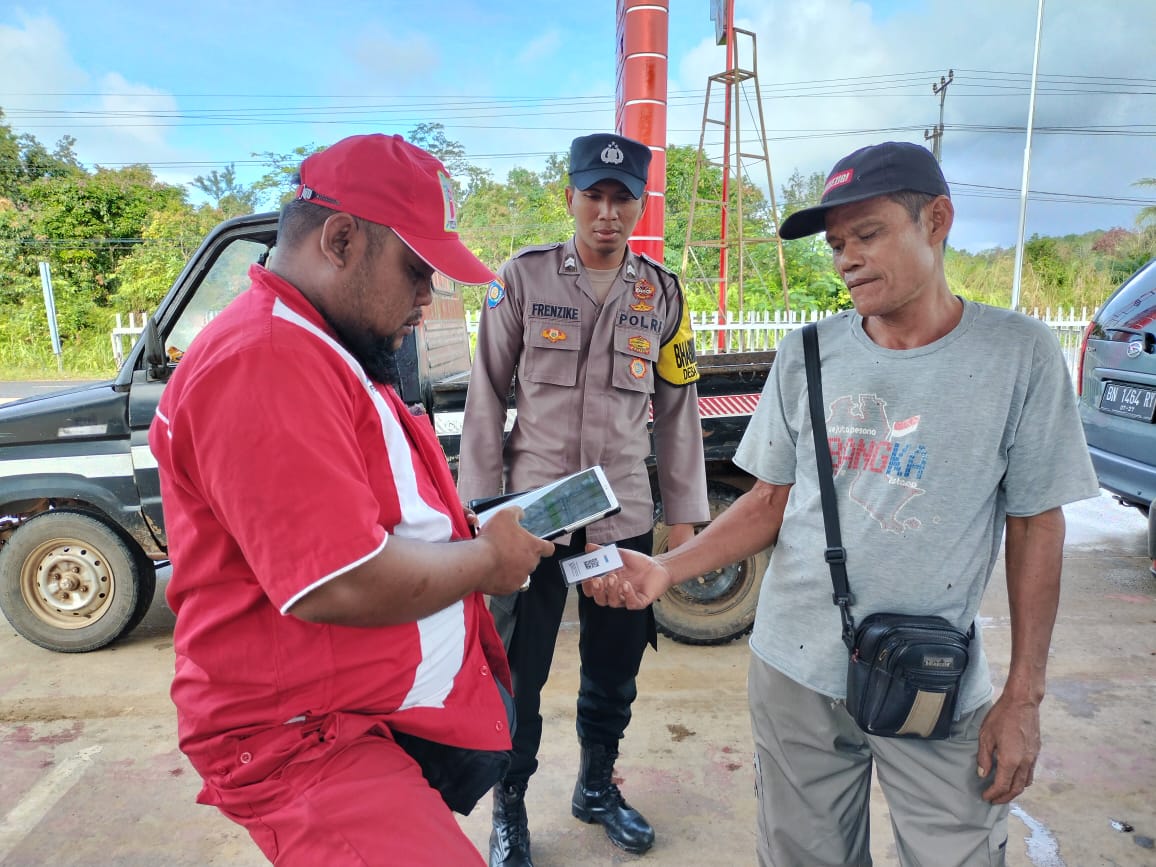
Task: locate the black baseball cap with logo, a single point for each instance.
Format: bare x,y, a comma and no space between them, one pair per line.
876,170
600,156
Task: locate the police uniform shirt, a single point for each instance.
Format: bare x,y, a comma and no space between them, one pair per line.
586,377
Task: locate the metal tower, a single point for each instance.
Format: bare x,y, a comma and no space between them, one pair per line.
727,88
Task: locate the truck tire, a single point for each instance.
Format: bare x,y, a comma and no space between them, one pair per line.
69,582
717,607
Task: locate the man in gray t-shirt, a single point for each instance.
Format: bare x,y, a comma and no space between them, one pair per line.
950,424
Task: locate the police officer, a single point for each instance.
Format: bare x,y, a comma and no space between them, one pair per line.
597,335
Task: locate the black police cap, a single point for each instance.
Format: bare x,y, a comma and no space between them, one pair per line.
600,156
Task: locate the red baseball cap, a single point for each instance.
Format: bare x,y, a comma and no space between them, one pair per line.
388,181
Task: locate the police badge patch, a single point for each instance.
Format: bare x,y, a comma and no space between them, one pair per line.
495,293
637,368
643,289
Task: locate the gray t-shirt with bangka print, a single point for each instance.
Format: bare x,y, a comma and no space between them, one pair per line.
932,448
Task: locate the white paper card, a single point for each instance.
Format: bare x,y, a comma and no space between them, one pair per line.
591,564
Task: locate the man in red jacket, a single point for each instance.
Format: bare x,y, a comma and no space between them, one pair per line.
326,582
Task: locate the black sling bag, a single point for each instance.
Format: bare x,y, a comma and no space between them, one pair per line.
904,674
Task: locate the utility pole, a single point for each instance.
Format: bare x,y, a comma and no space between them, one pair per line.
1017,279
936,134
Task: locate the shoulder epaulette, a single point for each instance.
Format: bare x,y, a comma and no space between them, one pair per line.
657,265
537,248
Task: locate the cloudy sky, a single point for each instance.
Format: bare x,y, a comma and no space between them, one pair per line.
191,87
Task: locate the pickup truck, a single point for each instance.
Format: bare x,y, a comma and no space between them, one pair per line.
82,528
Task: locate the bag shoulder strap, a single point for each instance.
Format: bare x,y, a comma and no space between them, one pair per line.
836,554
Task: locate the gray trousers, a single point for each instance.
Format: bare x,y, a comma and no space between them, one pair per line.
813,782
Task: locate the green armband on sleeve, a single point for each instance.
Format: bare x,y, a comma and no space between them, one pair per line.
676,361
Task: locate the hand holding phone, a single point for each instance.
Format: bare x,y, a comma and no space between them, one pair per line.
517,553
563,506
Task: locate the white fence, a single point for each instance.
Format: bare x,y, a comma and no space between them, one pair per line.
756,330
121,331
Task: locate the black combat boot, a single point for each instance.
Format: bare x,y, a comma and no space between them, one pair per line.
597,799
510,839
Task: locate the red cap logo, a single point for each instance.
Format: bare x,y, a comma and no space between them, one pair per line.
837,180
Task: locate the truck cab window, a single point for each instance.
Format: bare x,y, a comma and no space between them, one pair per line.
225,280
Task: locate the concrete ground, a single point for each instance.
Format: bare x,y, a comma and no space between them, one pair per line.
90,773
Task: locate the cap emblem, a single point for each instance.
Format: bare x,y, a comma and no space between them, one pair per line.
451,208
838,179
612,155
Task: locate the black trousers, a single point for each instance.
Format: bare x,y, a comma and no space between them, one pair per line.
610,646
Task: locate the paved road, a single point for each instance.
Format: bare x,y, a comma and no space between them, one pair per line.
91,774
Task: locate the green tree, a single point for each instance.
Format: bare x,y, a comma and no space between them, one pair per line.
18,275
1147,216
23,160
498,219
814,283
276,186
171,236
229,197
467,178
760,283
84,225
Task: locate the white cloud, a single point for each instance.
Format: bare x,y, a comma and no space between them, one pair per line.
824,41
48,95
821,68
393,63
141,113
542,47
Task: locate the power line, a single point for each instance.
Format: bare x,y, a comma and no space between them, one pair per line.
914,77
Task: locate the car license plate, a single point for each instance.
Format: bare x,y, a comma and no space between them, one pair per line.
1133,401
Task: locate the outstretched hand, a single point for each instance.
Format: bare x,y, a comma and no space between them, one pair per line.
635,585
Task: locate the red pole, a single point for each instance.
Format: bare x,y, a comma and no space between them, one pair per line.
640,106
723,257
